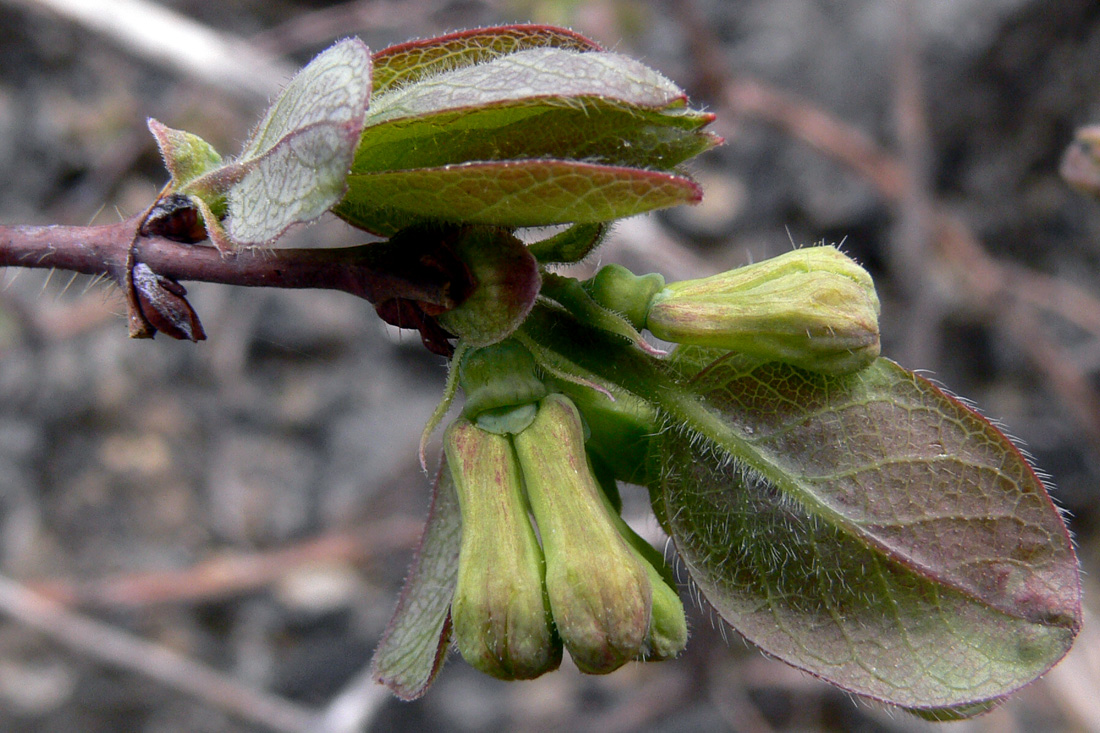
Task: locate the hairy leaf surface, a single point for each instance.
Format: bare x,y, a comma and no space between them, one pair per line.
186,156
555,75
294,166
414,645
406,63
518,126
871,530
509,193
595,131
867,528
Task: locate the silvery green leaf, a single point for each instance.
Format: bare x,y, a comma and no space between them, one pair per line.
294,166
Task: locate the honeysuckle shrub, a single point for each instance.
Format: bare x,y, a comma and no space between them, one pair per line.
842,513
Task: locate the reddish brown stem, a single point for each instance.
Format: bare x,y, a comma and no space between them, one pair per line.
376,272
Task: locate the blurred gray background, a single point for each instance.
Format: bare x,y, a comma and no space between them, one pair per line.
251,501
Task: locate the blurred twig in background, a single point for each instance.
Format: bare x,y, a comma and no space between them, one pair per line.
235,573
981,282
164,37
107,644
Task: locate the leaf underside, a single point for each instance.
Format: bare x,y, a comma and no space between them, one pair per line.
872,531
405,63
414,645
294,165
552,74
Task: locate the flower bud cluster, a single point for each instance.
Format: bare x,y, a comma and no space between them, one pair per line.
591,586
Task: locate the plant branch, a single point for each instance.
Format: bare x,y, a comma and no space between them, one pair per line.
375,272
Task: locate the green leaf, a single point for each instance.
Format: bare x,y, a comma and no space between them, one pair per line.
571,245
414,645
552,75
594,130
535,128
186,156
294,166
867,528
406,63
873,531
509,193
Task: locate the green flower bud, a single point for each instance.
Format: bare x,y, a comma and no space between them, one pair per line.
668,631
618,289
500,612
501,387
600,593
814,308
621,429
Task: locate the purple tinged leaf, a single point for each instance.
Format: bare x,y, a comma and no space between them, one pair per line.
556,76
294,166
516,127
516,193
406,63
186,156
871,530
414,645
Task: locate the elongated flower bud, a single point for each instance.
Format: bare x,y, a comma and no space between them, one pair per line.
814,308
500,612
600,593
668,631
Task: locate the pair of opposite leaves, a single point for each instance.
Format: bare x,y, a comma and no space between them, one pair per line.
517,126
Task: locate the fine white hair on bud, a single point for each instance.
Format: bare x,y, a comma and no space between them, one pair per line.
814,308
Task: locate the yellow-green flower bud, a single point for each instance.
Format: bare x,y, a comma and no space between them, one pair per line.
600,593
618,289
668,631
501,386
500,612
814,308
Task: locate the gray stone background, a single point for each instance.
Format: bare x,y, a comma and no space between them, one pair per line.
251,502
